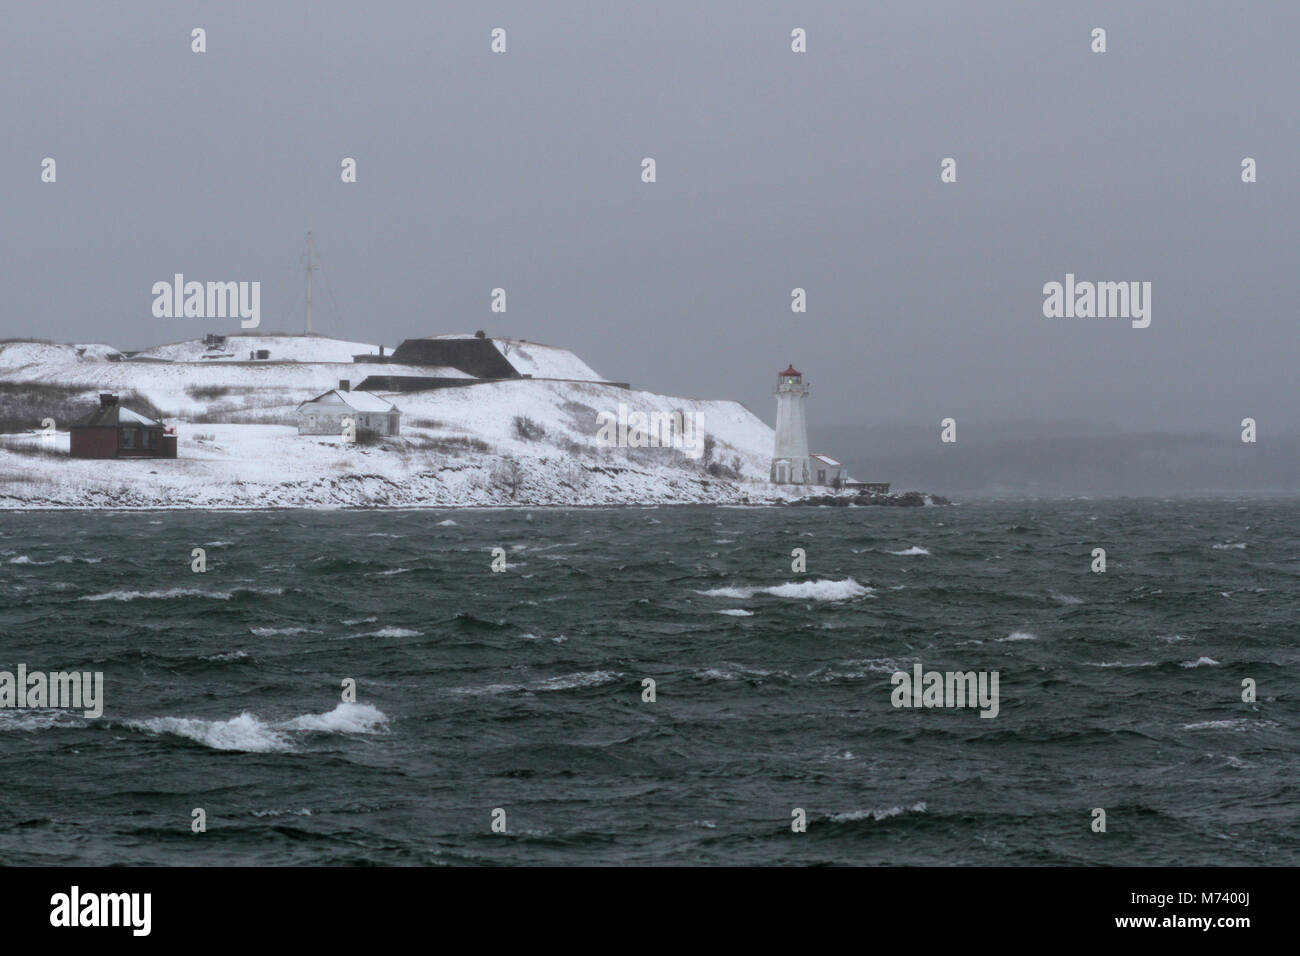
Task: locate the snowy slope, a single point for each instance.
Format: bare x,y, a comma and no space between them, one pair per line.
568,414
270,466
17,355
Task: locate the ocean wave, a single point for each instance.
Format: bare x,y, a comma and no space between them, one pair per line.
157,595
821,590
907,552
61,559
563,682
877,665
273,631
1016,636
572,681
737,612
346,718
1201,662
391,632
852,816
1117,664
1230,546
39,720
244,732
1236,723
250,734
740,673
172,593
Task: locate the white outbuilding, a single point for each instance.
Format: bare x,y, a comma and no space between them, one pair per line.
325,414
827,471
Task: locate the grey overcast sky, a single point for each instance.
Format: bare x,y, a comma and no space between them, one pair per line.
775,170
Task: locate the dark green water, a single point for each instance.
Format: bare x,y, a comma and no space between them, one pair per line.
522,690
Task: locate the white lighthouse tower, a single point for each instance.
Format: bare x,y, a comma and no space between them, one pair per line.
790,463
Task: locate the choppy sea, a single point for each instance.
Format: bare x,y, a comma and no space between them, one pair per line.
522,691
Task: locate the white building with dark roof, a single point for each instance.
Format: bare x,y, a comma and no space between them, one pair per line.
325,414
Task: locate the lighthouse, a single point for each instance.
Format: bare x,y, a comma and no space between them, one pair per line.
790,463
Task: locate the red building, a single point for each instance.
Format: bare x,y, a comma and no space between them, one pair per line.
112,431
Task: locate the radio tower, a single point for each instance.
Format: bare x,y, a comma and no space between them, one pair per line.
309,256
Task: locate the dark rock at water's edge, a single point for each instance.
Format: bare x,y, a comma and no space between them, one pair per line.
907,499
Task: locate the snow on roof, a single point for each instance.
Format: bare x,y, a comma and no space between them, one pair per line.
545,361
828,460
357,401
536,359
110,416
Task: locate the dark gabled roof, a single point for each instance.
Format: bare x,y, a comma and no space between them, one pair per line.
112,416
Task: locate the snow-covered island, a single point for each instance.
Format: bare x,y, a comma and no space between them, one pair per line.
524,430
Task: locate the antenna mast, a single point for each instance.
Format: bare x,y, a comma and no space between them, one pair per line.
309,269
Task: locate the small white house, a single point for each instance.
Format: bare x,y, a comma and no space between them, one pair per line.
325,414
826,470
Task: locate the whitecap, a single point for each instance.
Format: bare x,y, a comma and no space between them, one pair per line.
156,595
1064,598
244,732
877,815
346,718
1236,723
820,590
39,719
229,656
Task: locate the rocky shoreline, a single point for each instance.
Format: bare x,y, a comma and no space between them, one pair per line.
906,499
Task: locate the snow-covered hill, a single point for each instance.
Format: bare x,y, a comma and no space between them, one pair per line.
280,348
179,383
524,441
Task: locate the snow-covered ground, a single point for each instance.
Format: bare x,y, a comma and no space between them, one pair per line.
270,466
281,348
198,387
524,442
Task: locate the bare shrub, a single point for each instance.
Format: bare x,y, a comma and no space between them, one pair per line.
207,392
528,430
455,445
